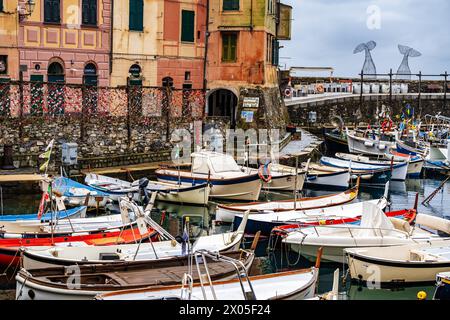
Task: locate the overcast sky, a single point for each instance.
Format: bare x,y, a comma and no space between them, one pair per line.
325,33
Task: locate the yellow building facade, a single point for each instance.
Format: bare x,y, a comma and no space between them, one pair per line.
9,33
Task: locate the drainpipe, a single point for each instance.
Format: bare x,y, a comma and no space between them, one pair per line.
205,61
251,15
111,39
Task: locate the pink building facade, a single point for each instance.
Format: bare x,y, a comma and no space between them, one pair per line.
67,41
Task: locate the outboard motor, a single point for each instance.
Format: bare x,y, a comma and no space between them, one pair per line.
143,183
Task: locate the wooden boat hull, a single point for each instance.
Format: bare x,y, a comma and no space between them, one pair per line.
31,286
290,285
227,213
198,195
334,180
245,188
335,143
10,248
367,146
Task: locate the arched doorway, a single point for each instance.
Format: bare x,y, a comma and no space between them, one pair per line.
90,82
56,80
223,103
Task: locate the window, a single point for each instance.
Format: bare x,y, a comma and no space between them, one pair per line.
275,52
52,11
187,76
1,5
187,25
136,15
229,47
3,64
270,6
230,5
89,12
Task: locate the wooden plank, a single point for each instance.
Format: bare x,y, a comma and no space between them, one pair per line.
132,168
21,178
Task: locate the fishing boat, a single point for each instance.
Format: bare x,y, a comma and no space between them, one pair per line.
412,148
227,212
279,177
336,141
78,212
410,263
56,283
415,163
442,291
370,174
349,213
399,168
226,178
74,193
10,248
52,256
195,194
368,146
327,177
288,285
375,230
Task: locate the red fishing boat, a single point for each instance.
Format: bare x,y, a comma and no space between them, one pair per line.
10,247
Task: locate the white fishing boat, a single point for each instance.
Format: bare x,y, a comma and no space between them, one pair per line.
321,176
399,168
116,188
400,264
380,172
279,177
226,212
348,213
288,285
375,230
226,178
415,163
366,145
76,254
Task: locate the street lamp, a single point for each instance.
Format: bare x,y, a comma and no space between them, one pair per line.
29,8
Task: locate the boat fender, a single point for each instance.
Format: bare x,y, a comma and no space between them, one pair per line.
382,147
368,143
264,168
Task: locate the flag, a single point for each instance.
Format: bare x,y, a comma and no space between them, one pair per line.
45,198
46,155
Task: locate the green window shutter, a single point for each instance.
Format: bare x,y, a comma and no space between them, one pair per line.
275,52
229,47
230,5
187,25
137,15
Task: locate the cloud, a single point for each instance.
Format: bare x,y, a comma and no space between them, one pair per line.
325,32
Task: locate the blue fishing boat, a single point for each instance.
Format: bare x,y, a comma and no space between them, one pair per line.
442,291
370,174
74,193
78,212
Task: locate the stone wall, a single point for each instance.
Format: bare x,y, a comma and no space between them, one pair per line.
353,112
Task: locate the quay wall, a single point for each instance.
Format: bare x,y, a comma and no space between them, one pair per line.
353,112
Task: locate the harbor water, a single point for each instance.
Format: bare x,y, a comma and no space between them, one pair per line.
402,196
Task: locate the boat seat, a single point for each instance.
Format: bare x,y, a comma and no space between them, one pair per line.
401,225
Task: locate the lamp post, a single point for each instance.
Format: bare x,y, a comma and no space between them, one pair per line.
29,8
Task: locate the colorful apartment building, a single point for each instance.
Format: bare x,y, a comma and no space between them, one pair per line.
9,54
159,43
67,41
242,59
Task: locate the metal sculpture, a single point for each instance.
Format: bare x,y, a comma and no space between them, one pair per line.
404,72
369,65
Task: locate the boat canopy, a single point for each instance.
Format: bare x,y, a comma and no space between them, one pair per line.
213,162
374,221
